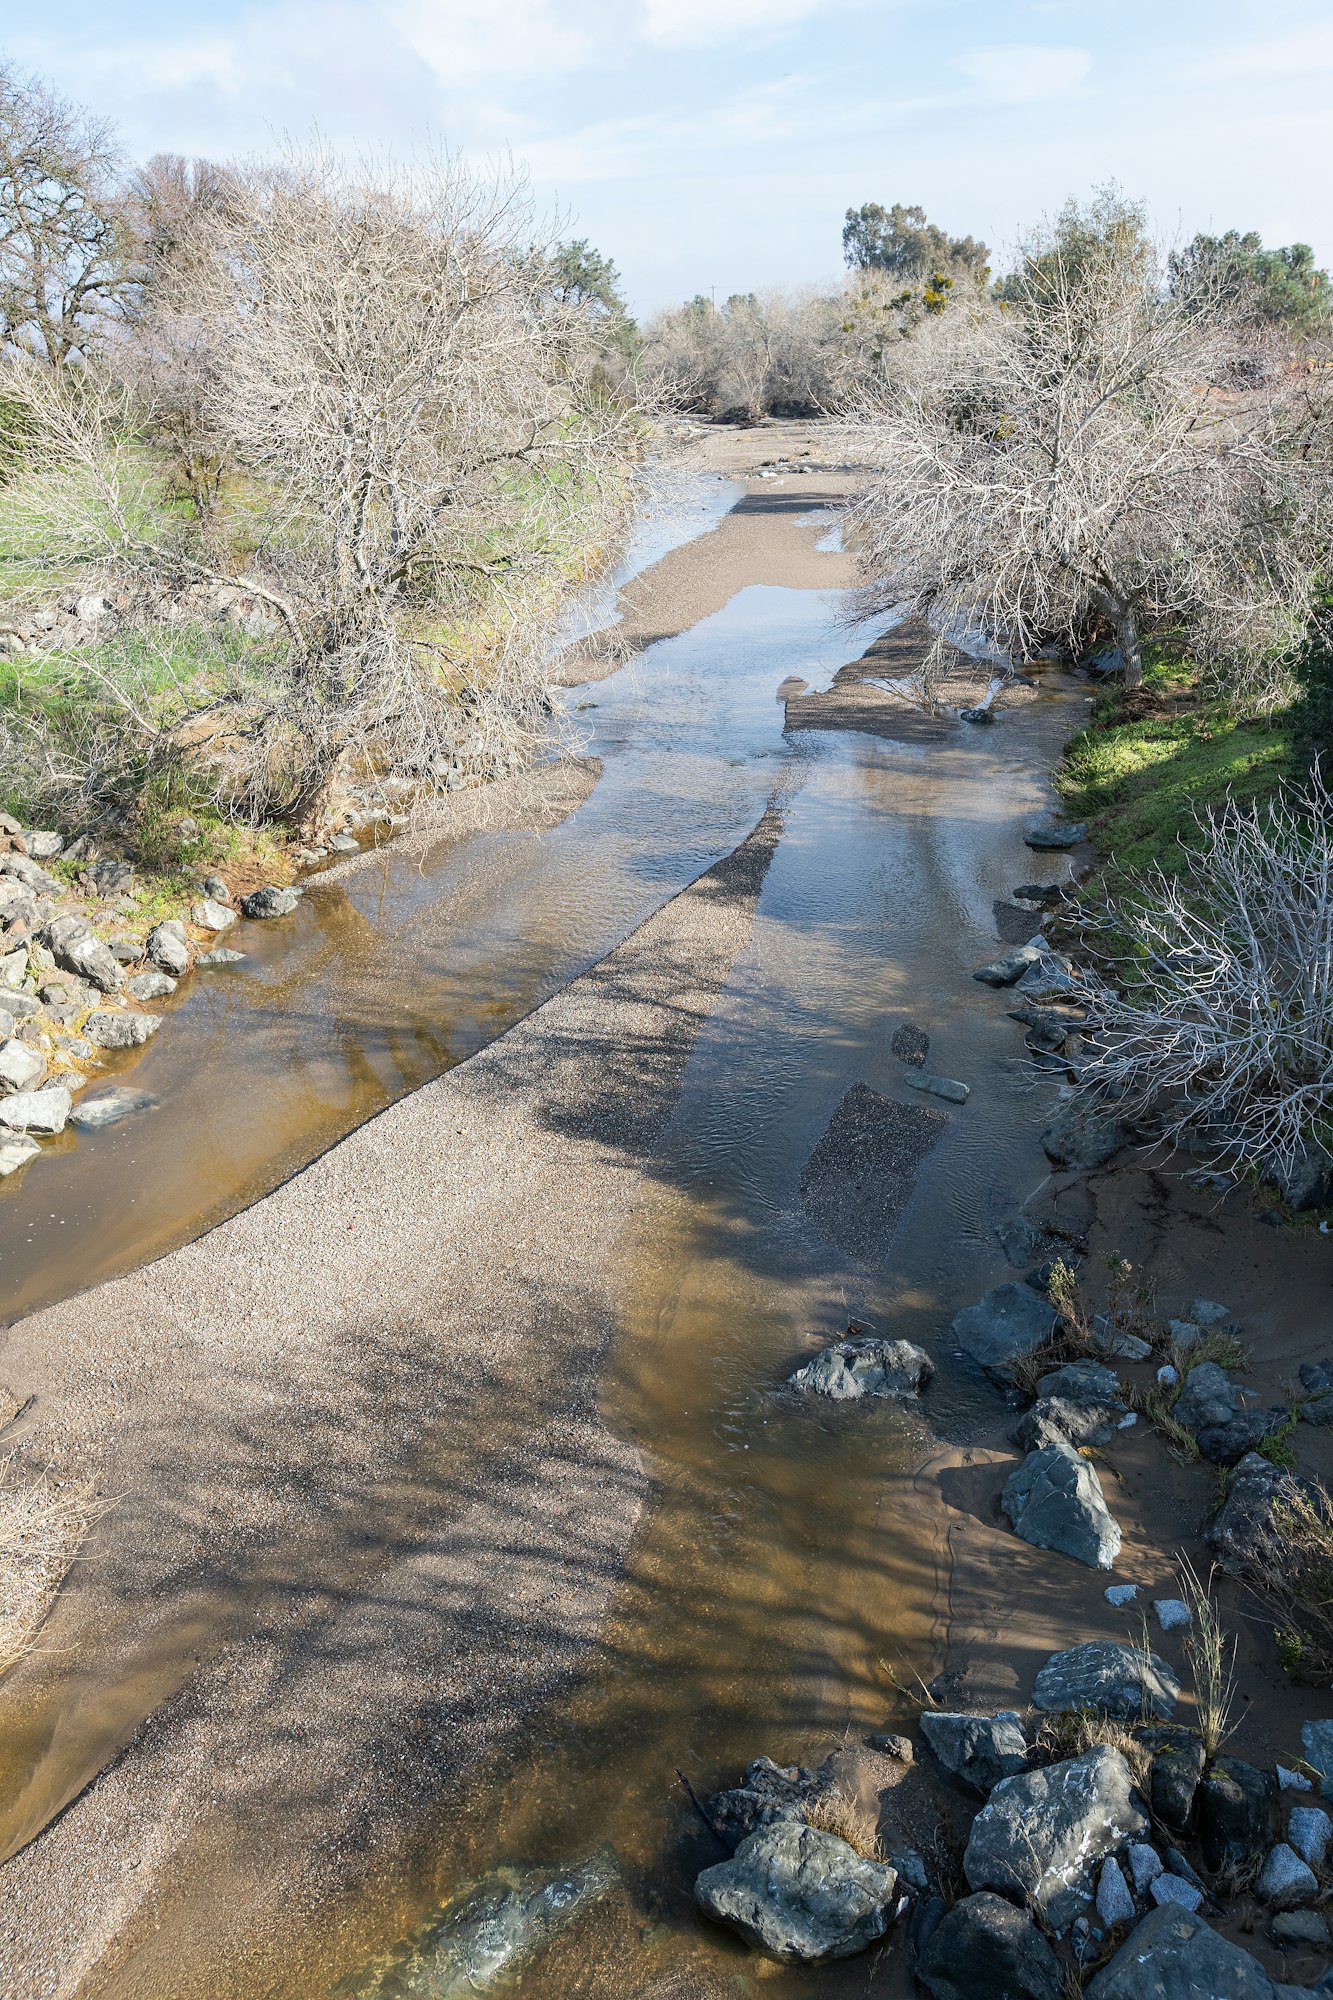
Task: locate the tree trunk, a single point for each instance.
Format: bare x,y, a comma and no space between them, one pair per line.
1130,644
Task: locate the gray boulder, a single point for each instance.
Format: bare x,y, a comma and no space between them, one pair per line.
1177,1766
800,1894
75,948
1080,1137
1317,1742
1309,1830
865,1366
978,1750
1285,1881
947,1087
41,844
1050,836
150,986
16,1149
770,1792
221,955
1115,1905
1038,1834
212,916
168,949
25,870
1308,1183
1005,1326
1109,1679
1055,1501
1242,1530
1175,1955
113,1030
269,902
1079,1402
1007,971
98,1112
985,1949
1213,1408
44,1111
21,1065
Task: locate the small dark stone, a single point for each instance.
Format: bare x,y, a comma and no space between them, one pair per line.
893,1745
910,1044
1236,1806
985,1948
1177,1766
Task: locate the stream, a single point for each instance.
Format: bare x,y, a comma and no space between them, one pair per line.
786,1581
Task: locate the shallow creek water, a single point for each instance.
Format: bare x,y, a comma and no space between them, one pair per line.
788,1571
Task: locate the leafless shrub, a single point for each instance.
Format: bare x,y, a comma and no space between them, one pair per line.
755,354
42,1522
1063,460
422,453
1222,1016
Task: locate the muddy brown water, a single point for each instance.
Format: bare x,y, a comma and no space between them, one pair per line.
788,1576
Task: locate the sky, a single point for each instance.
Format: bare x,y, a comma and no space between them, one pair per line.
716,144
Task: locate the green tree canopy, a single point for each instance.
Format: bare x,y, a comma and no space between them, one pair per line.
900,239
1109,230
1282,287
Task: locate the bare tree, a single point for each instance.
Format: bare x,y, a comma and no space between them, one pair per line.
65,249
425,457
1067,461
756,354
1218,1011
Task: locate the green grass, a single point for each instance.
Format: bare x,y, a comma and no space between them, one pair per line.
1138,782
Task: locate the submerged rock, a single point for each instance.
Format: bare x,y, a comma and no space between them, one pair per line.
1109,1679
486,1934
1038,1834
978,1750
863,1365
1005,1326
946,1087
800,1894
1175,1955
1055,1501
985,1949
110,1108
221,955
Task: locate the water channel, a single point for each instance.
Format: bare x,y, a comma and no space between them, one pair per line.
786,1575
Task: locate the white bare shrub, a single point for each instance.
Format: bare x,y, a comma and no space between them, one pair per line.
422,448
1064,460
755,354
1218,1011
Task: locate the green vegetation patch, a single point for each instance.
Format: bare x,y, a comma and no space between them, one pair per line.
1140,782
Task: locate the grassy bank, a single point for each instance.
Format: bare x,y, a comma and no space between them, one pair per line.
1151,760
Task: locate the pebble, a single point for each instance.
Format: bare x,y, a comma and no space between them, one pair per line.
1167,1376
1121,1593
1299,1927
1292,1781
1174,1889
1172,1613
1285,1879
1309,1830
1145,1864
1115,1905
222,955
1207,1312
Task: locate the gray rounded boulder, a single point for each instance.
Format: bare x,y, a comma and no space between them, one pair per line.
1055,1501
800,1894
985,1949
866,1366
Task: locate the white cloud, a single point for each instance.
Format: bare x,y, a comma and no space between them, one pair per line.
1025,73
696,24
460,39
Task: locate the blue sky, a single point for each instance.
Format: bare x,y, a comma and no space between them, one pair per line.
718,142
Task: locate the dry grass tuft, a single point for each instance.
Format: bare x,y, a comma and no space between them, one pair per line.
1295,1578
42,1522
833,1812
1074,1730
1211,1661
